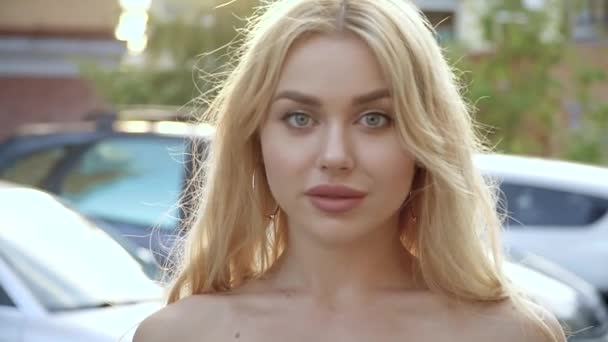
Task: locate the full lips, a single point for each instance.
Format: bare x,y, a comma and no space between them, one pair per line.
335,205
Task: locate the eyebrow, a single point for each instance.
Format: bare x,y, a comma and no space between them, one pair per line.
315,102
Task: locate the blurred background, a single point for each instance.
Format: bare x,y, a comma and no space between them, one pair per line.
535,69
95,142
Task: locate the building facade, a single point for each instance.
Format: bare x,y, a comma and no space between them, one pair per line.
42,44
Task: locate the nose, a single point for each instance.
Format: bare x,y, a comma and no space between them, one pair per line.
336,153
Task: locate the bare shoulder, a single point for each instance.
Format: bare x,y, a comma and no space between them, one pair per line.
508,323
549,319
185,320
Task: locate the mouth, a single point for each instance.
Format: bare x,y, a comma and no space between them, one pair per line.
335,199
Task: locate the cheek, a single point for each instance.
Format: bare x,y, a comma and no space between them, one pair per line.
285,159
392,169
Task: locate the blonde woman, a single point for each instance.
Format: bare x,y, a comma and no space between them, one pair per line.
340,201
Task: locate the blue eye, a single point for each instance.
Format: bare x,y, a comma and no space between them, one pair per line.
298,120
374,120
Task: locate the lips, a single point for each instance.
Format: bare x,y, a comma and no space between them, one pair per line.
335,199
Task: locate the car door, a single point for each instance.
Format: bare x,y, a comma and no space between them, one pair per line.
12,320
565,226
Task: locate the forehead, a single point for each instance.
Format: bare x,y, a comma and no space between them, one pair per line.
340,64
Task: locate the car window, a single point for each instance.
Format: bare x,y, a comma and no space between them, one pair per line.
537,206
33,168
5,300
129,179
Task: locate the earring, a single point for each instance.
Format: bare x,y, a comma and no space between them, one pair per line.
405,201
413,217
274,214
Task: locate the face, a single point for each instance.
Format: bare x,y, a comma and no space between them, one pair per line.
334,162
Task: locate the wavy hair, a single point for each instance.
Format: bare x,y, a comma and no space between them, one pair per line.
233,234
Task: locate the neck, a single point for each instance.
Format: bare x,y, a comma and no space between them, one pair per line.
374,263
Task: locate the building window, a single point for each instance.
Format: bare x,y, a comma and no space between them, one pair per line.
590,20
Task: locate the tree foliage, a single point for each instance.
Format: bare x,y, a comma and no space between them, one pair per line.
522,103
184,47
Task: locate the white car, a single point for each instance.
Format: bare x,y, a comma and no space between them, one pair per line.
557,210
62,279
576,304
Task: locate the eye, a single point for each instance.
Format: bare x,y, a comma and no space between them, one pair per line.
298,120
374,120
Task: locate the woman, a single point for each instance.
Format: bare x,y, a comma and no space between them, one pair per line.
340,201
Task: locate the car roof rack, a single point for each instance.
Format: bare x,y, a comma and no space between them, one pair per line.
107,120
145,113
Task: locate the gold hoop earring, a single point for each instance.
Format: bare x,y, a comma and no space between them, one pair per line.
274,214
406,201
405,204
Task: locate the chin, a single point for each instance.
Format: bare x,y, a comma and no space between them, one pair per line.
336,230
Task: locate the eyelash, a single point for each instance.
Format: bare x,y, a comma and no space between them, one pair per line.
288,116
385,117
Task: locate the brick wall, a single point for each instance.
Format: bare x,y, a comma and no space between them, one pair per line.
60,96
31,99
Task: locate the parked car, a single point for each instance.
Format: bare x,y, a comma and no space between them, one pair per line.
122,171
557,210
576,304
64,279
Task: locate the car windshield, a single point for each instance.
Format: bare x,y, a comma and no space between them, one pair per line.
129,181
66,262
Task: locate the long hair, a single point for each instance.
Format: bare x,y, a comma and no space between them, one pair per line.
236,234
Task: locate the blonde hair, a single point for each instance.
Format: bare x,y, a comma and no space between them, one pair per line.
232,239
